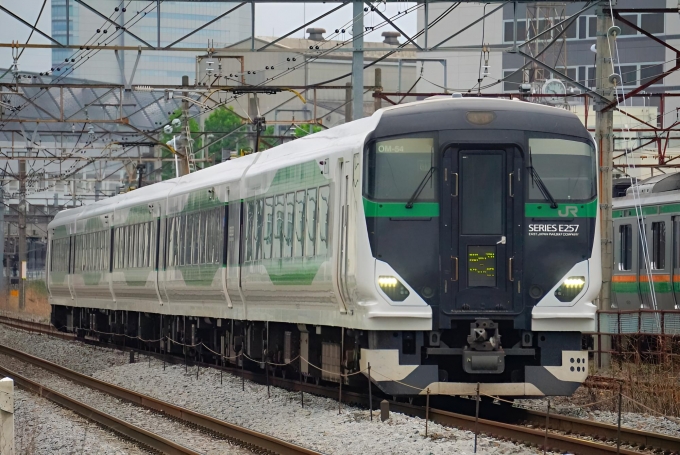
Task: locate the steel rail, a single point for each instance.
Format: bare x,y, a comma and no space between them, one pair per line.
557,422
119,426
231,431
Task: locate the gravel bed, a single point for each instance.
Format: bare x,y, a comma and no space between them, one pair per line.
318,425
137,415
42,427
634,420
72,354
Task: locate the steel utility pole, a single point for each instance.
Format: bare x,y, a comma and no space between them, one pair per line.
22,234
358,60
183,141
604,137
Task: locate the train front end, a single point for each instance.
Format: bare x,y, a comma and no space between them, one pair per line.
486,211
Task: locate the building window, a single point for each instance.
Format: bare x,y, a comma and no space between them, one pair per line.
653,23
511,84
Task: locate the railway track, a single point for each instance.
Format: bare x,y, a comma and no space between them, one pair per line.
245,437
566,435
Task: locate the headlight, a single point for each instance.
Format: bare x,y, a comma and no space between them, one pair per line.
570,288
393,288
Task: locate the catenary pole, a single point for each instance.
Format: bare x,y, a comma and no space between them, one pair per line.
358,60
604,137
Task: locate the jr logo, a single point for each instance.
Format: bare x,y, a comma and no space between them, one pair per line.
569,210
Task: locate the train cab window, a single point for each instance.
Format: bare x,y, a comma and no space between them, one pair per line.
658,249
324,204
625,247
310,238
397,167
566,167
299,240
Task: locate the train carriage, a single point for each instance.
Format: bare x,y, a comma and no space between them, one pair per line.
647,245
447,242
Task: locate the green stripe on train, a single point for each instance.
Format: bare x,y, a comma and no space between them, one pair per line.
399,210
563,210
632,288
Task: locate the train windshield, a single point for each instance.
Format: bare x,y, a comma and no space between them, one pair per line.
566,167
398,167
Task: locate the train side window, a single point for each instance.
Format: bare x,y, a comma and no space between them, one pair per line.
290,224
174,248
625,247
324,208
310,242
299,243
199,237
268,228
250,221
278,226
658,258
257,237
179,224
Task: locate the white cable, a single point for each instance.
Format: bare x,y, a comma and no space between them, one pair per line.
637,201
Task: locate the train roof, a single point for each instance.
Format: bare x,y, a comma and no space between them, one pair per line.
659,189
450,113
435,114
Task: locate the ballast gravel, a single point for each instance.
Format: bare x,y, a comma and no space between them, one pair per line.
137,415
42,427
317,426
633,420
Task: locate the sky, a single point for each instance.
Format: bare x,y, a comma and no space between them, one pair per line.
272,19
12,30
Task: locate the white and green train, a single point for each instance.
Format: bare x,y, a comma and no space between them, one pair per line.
447,242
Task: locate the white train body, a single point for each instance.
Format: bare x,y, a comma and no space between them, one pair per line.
279,241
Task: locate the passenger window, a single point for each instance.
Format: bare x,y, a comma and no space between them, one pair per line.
299,224
250,221
658,252
268,227
290,213
625,247
310,243
278,227
258,229
180,240
324,205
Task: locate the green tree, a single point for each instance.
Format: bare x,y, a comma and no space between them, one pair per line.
223,121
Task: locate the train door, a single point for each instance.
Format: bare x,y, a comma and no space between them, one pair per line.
659,265
479,237
675,260
625,280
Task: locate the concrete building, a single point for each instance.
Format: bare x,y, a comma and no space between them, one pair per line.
80,24
639,59
398,72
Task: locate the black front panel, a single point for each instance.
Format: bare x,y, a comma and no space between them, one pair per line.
477,234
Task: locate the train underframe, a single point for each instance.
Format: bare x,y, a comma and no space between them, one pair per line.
403,363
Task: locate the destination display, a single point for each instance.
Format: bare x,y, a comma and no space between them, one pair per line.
481,266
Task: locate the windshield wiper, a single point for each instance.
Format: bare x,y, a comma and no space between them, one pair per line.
536,179
421,186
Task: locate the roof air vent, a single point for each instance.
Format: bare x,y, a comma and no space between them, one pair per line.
391,38
316,34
